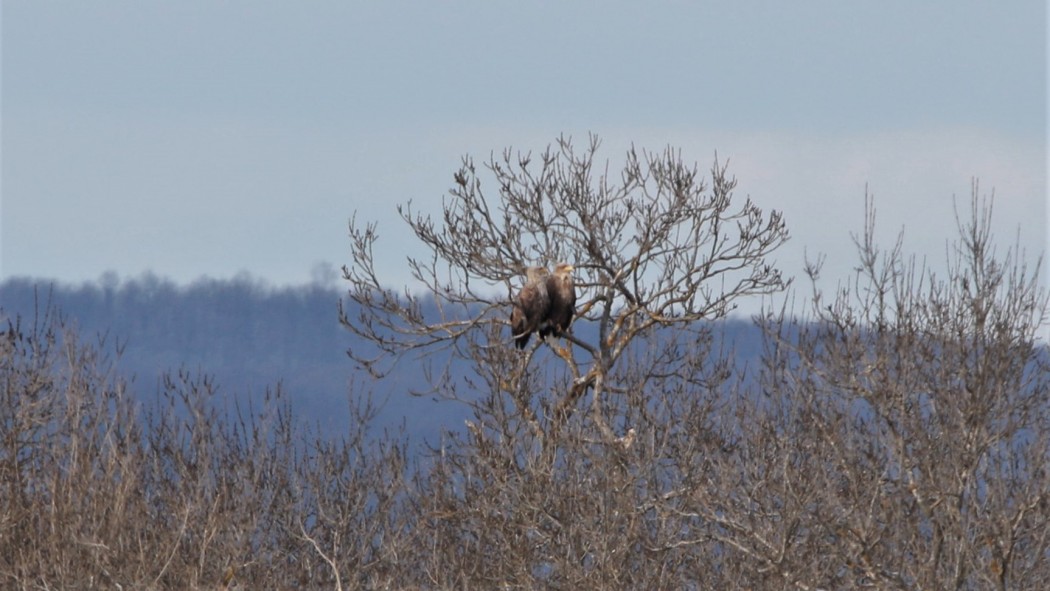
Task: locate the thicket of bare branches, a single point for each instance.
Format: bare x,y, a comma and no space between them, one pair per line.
916,413
895,435
99,492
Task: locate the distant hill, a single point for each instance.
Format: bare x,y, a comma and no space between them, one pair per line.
251,336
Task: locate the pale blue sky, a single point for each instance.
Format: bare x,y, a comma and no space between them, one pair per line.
203,138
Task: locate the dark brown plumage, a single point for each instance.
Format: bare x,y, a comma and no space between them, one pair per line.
531,307
562,292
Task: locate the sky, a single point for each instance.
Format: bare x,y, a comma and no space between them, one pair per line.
201,138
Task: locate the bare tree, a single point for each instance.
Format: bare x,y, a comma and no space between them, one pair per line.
658,246
558,479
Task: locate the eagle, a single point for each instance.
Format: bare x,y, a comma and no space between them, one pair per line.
562,293
532,306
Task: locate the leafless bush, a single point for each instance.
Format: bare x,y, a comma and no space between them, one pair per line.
900,438
922,418
100,494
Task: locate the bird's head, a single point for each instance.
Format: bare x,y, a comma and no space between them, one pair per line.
564,269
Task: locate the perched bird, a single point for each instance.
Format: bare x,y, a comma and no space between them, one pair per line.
627,439
562,292
531,307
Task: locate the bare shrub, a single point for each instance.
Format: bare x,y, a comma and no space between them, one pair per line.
100,494
900,439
